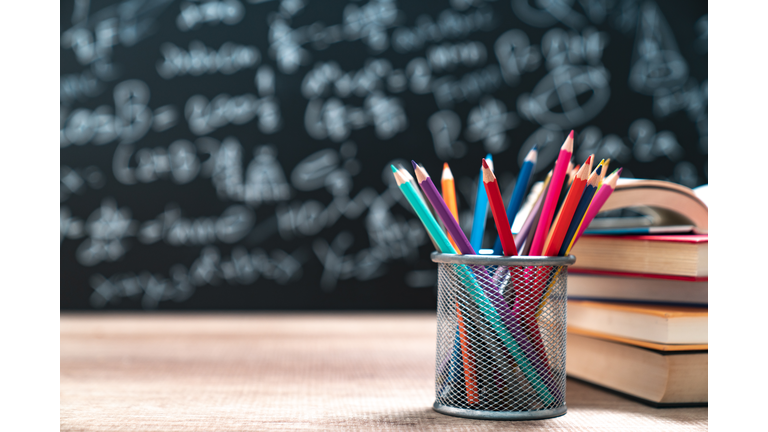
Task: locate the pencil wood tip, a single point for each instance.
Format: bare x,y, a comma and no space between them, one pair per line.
421,173
612,179
399,177
488,175
594,179
568,144
447,174
583,172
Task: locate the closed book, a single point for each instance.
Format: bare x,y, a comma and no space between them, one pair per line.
664,324
676,255
657,377
600,285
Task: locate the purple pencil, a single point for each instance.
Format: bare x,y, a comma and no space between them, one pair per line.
442,210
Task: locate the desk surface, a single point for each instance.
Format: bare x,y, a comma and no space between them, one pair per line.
288,372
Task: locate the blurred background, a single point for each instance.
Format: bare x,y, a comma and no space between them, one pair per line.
235,154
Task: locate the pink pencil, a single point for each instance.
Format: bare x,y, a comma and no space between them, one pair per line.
555,186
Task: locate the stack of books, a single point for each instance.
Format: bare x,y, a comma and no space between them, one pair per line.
637,314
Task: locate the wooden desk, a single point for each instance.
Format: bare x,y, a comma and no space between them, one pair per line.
288,372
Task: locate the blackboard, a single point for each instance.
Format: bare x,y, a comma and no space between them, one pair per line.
234,154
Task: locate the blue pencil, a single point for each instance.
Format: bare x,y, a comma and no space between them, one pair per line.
523,180
581,209
481,210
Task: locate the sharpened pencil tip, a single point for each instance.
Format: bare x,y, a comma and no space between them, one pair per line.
445,166
415,165
394,170
535,147
571,134
485,164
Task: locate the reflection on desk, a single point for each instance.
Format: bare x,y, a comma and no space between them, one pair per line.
287,371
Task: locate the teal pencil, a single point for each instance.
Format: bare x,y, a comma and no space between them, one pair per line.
481,210
443,244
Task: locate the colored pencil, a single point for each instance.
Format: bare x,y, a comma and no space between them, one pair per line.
410,179
523,181
597,203
556,184
442,210
559,211
581,209
570,173
481,211
423,213
470,375
528,226
448,187
566,214
444,247
497,209
603,172
526,250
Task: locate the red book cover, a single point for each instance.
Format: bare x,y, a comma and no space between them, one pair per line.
638,275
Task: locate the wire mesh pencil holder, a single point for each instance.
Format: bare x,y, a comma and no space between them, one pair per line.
501,329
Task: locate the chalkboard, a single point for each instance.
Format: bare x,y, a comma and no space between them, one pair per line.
234,154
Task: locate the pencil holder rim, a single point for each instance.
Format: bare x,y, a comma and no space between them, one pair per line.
499,260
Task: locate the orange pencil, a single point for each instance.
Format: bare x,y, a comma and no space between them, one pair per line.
470,375
499,214
566,214
571,177
449,195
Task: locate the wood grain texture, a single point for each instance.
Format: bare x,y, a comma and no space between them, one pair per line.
288,372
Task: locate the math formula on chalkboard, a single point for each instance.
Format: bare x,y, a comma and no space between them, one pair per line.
235,154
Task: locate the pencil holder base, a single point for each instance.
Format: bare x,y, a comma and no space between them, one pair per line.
499,415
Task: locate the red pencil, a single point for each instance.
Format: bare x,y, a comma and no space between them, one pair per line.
499,213
566,213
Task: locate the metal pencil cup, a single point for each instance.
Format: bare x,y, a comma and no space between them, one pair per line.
501,326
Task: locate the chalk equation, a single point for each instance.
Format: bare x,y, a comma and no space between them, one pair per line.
233,153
